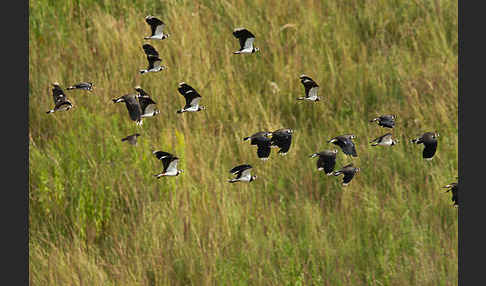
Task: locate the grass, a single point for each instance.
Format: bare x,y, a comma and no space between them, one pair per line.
97,216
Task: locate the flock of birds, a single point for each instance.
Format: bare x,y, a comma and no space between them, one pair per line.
140,105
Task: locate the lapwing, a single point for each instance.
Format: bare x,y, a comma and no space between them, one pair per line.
133,106
387,120
82,85
157,27
132,139
429,139
282,138
310,87
243,174
61,103
384,140
246,39
169,162
192,98
348,171
147,105
326,161
263,144
346,143
261,133
453,188
153,60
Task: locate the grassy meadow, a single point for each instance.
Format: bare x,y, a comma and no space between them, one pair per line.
97,216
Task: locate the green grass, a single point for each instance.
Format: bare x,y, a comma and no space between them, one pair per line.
97,216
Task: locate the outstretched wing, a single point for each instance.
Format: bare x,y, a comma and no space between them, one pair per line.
161,154
147,105
327,162
240,168
58,94
429,150
348,176
190,94
156,25
243,35
133,107
170,164
154,61
283,140
149,50
310,86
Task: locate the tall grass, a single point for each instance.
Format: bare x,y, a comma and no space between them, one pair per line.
97,216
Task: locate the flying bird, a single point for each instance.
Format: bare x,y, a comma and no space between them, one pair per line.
61,103
147,105
385,140
346,143
132,139
387,120
243,174
453,188
246,39
157,27
282,138
326,161
192,98
348,171
429,139
82,85
133,106
169,162
153,60
310,87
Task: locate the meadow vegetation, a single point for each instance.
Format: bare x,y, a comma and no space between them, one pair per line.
97,216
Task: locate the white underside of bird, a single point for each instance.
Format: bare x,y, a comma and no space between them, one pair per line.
155,69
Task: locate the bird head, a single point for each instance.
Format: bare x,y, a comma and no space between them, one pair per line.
253,178
202,107
318,98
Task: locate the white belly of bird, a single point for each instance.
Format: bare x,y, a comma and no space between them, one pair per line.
192,108
172,172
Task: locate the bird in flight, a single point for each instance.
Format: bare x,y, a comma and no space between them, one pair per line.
429,139
346,143
246,39
243,174
82,85
153,60
157,27
384,140
169,163
387,120
348,171
192,98
310,87
326,161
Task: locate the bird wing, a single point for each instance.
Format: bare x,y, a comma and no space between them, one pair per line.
154,61
387,121
282,140
309,85
171,164
155,24
133,107
245,174
349,148
248,43
149,50
348,176
264,149
242,35
190,94
429,150
327,161
161,154
58,94
147,105
240,168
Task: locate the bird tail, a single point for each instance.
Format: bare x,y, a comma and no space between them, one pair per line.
124,139
374,119
246,138
159,175
180,111
232,181
237,52
337,173
71,87
143,71
116,100
313,155
50,111
300,98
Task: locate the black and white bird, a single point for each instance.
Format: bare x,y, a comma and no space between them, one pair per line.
82,85
282,138
263,144
387,120
133,106
346,143
246,39
326,161
147,105
61,103
429,139
310,87
243,174
132,139
384,140
169,162
153,60
157,27
260,133
192,98
453,188
348,171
